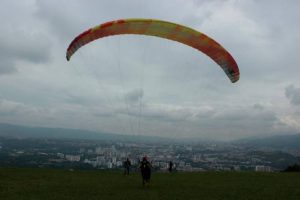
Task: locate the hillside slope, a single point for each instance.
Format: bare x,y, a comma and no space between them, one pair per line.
50,184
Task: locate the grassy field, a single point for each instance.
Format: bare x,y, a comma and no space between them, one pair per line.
44,184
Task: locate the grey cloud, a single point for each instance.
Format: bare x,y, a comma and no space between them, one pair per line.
22,38
68,18
170,88
24,46
62,20
7,66
134,96
10,108
248,117
258,106
293,94
168,113
207,122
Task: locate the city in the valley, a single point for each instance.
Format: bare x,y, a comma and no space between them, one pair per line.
97,154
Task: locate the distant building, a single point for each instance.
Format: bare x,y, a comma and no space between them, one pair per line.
236,168
100,159
60,155
113,148
119,163
109,165
181,164
262,168
73,158
81,150
90,151
99,150
189,148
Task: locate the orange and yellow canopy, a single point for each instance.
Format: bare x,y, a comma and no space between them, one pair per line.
161,29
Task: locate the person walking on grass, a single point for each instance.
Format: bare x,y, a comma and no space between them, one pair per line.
127,165
170,166
145,167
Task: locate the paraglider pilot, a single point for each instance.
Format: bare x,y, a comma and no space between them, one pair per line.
145,167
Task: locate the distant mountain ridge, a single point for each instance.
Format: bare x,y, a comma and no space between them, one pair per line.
19,131
277,142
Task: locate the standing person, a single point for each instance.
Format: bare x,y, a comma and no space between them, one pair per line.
145,167
127,165
170,166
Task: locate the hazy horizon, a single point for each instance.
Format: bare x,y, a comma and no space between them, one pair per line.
141,85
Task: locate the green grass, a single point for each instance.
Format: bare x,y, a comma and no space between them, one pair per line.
44,184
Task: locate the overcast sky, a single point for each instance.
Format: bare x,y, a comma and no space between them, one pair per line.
143,85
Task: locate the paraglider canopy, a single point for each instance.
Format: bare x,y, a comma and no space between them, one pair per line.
162,29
